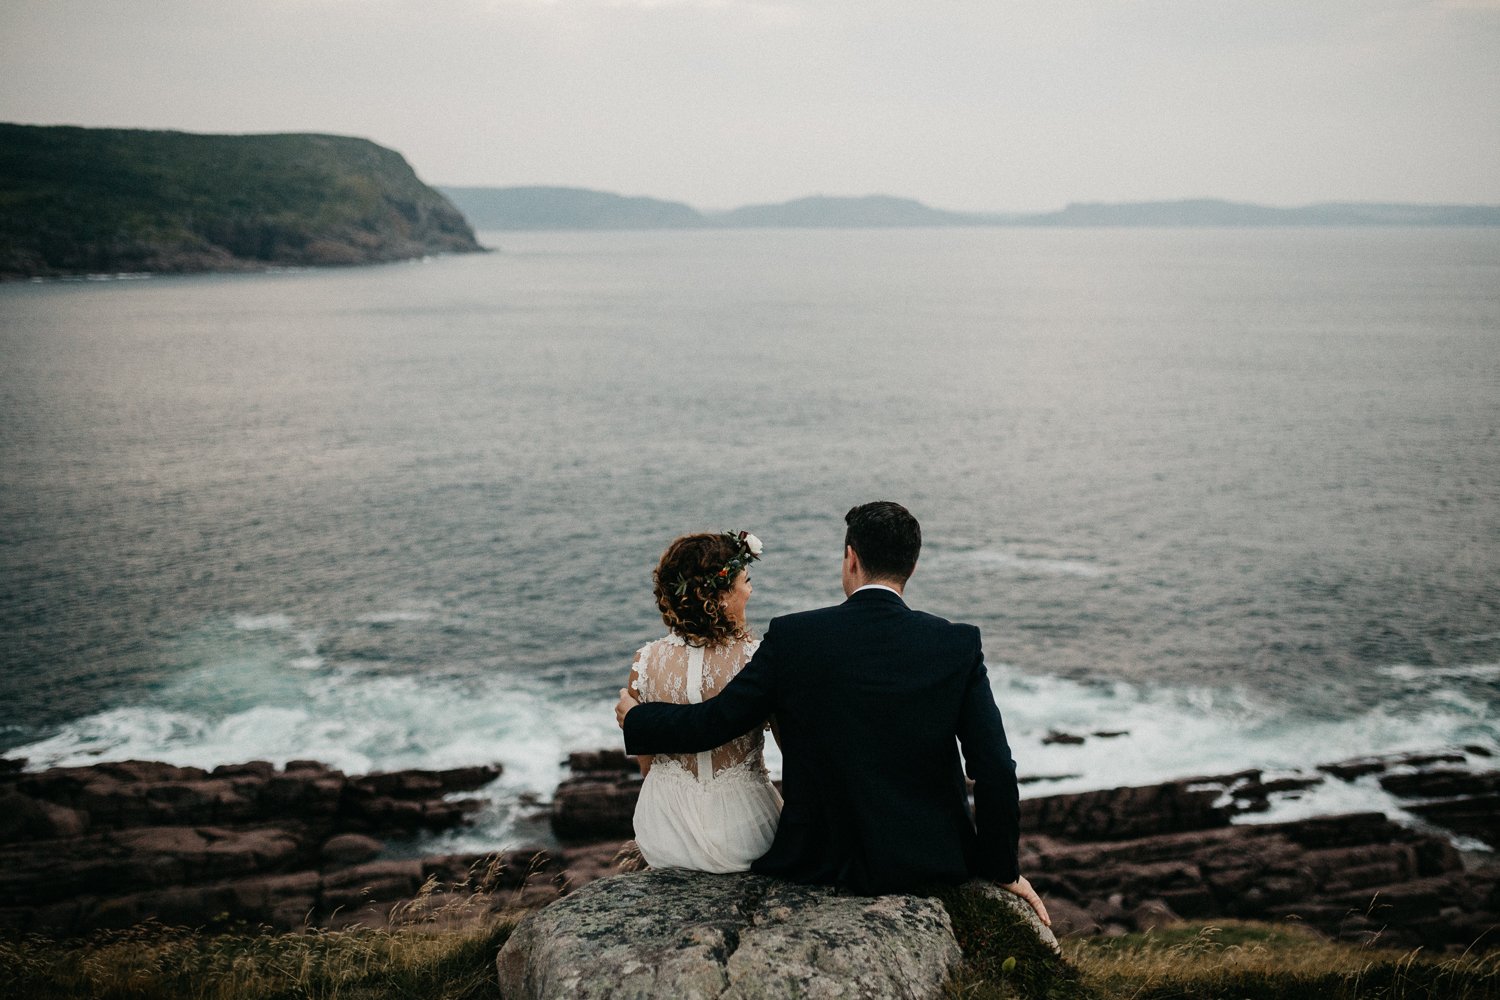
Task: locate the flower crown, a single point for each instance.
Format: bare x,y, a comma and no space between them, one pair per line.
748,549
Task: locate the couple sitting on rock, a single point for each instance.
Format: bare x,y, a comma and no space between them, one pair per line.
870,702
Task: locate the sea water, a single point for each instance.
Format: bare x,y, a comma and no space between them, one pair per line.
1234,494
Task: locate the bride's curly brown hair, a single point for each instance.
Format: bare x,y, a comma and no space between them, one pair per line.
697,614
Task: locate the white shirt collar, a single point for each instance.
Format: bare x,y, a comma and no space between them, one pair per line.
878,586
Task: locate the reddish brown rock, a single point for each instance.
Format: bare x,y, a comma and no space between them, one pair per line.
1446,782
1477,818
467,779
1071,920
1151,914
266,893
349,849
182,841
185,845
237,851
261,769
1122,813
399,784
595,808
25,818
609,760
377,880
1461,800
412,800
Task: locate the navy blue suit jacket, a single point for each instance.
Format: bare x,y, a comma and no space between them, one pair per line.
873,700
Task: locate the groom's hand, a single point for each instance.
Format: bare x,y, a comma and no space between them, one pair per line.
1023,888
623,706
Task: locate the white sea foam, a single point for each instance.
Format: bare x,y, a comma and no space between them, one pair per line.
284,708
1176,733
353,720
1331,797
1173,733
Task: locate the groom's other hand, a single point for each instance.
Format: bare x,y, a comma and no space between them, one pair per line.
1023,888
623,706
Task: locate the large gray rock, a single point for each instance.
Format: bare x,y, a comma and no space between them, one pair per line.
673,933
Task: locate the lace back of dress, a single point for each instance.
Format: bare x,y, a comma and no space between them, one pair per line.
671,670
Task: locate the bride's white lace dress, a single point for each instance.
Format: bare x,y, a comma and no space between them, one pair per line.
714,811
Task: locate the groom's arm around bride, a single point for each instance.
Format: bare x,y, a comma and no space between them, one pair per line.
869,696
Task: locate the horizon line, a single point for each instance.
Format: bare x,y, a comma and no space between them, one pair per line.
1182,200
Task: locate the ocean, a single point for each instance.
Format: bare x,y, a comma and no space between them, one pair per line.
1233,493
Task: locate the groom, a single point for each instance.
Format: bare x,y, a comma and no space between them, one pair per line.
869,697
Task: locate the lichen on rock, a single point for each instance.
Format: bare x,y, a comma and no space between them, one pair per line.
695,935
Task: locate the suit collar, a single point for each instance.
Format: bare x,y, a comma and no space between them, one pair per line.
876,594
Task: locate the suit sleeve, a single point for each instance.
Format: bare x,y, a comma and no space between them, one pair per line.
744,704
987,759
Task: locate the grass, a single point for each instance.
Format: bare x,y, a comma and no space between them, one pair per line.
1231,960
1227,961
420,961
151,962
1251,961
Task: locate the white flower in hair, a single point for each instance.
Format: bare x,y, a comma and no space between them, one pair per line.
752,544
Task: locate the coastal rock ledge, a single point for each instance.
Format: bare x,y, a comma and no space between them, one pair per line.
694,935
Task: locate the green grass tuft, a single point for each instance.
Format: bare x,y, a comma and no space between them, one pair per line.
151,962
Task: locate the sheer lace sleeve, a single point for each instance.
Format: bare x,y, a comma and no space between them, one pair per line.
634,683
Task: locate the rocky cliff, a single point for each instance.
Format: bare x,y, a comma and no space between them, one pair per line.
83,848
108,201
114,843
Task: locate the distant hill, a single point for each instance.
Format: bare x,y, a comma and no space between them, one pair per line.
78,200
579,208
873,211
567,208
1212,212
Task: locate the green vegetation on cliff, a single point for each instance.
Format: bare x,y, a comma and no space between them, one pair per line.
90,201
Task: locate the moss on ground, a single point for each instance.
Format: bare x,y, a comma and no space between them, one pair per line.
1003,957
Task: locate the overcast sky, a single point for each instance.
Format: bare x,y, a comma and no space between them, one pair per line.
967,105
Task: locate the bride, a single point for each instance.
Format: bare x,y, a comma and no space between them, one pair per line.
714,811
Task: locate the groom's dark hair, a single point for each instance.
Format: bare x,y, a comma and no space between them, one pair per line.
885,537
